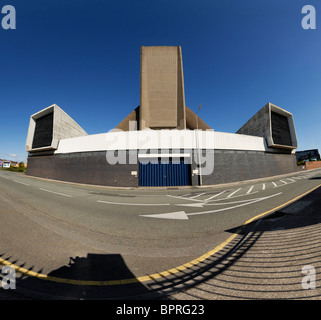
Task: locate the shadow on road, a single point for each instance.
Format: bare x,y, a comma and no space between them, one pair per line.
106,268
88,277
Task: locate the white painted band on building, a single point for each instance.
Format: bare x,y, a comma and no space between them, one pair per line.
162,139
164,155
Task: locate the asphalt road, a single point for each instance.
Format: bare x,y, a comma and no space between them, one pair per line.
90,233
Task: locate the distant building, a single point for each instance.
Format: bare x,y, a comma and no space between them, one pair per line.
6,164
308,155
14,164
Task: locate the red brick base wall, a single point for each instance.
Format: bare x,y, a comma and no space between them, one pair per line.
313,165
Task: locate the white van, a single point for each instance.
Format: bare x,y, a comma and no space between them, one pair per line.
6,164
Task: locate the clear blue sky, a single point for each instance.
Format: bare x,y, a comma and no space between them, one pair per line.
84,55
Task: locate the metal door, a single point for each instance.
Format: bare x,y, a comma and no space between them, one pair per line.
155,173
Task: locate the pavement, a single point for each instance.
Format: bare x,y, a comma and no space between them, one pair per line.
247,240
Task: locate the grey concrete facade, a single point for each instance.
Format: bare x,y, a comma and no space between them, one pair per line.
132,121
60,126
275,124
162,97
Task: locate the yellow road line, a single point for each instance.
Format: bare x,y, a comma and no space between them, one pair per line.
151,276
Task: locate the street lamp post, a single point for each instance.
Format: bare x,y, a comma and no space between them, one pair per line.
198,147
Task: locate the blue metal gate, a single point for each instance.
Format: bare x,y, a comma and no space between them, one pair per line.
155,173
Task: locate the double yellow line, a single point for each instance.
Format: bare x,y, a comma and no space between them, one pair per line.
151,276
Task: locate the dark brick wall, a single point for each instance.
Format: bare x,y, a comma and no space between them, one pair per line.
92,167
87,167
233,165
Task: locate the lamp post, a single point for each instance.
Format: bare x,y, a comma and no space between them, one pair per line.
198,147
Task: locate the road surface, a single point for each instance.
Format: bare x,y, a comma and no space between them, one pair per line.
71,240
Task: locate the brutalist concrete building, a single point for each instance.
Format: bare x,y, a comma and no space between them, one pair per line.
162,142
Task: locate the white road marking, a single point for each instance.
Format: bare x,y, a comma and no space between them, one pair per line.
198,195
61,194
230,202
181,215
284,184
249,191
200,205
230,195
194,205
184,198
263,187
228,198
25,184
240,205
216,195
134,204
275,185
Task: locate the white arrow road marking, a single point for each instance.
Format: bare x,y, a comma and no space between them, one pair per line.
181,215
195,205
135,204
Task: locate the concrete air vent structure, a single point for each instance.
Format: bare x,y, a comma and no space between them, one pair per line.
48,126
276,125
157,144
